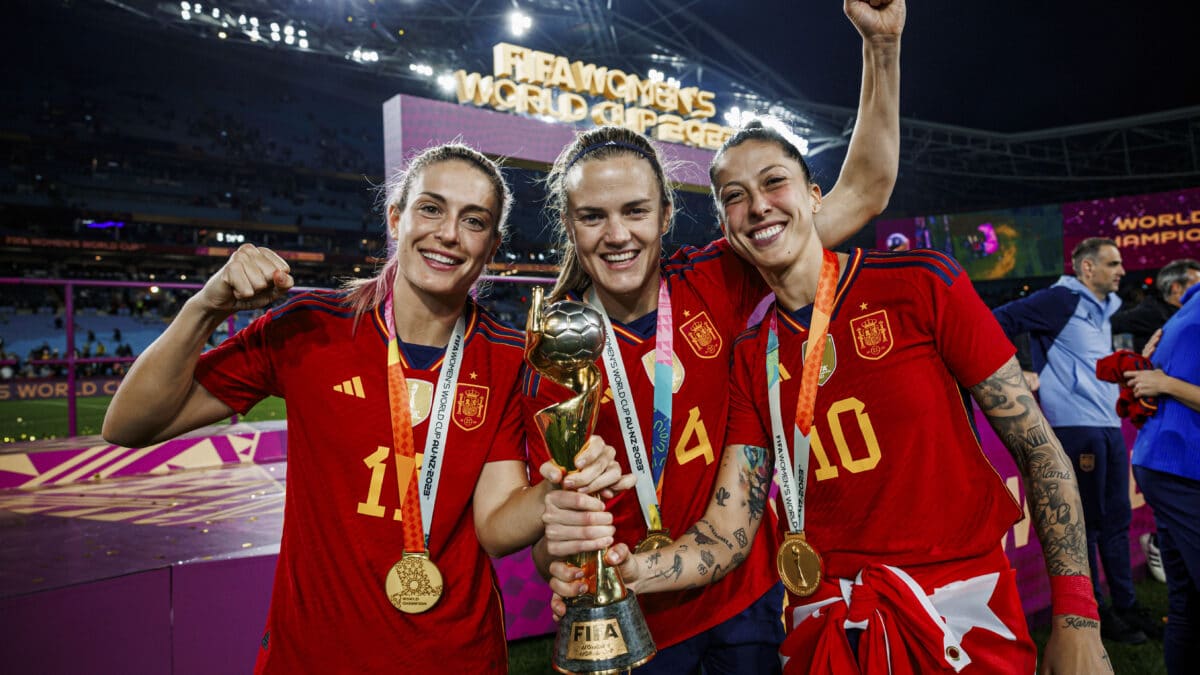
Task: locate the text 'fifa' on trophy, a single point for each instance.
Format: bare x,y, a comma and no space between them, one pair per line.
604,630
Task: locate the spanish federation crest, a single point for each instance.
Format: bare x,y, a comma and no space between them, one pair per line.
702,336
872,335
470,406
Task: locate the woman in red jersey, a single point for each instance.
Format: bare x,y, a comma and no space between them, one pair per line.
671,324
405,445
890,517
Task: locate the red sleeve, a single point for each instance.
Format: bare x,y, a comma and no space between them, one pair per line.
969,339
240,372
509,443
748,394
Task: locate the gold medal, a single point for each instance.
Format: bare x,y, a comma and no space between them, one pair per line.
414,583
654,539
799,565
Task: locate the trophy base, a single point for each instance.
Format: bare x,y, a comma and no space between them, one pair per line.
605,639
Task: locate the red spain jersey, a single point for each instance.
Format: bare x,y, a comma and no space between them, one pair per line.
896,473
341,534
713,292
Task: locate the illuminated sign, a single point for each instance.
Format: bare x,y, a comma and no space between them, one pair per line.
530,82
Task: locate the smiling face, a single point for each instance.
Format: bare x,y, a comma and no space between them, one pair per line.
615,217
766,204
445,233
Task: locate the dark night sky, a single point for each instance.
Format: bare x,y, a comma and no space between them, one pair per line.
1014,65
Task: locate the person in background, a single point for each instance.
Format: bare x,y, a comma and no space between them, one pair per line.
1146,317
1167,468
1139,323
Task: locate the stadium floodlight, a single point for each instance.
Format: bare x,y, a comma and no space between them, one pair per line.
289,38
254,21
446,82
274,27
303,43
185,6
673,82
289,29
655,75
302,33
519,22
216,13
242,20
275,37
186,15
197,8
222,34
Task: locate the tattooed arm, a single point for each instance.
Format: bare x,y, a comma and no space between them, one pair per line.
1057,512
712,547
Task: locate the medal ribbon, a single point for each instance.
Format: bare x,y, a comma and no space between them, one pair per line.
649,474
419,500
794,479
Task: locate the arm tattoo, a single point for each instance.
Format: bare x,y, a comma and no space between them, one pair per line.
740,535
722,495
755,475
1080,622
673,572
1052,492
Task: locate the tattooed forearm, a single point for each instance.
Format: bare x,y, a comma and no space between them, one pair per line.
1051,490
756,479
719,541
1080,622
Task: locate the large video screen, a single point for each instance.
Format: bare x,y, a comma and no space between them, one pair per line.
1151,230
1004,244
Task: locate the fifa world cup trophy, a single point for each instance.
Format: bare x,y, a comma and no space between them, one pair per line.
603,631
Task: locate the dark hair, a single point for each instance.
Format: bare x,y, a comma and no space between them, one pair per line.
763,128
595,144
1087,250
1174,272
367,293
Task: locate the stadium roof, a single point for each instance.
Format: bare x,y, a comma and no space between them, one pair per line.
1013,102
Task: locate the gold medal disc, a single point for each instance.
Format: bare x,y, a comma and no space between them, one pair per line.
799,565
654,539
414,583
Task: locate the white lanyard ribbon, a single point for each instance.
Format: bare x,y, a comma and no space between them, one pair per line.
631,430
439,416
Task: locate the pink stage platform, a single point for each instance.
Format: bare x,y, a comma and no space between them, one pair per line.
158,560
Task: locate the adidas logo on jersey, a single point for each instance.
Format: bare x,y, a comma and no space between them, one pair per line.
351,387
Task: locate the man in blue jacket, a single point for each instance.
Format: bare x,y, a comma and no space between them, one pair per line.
1070,329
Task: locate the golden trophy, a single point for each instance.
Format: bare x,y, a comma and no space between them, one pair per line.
603,630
